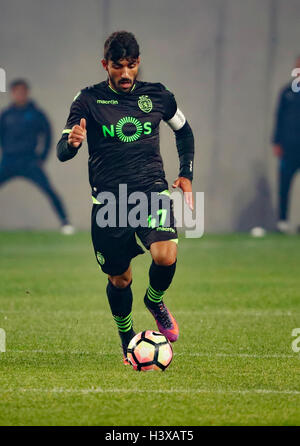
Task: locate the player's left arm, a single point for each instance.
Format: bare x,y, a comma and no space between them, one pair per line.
46,133
279,125
1,129
185,146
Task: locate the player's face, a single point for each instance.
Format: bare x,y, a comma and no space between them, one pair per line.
122,74
19,95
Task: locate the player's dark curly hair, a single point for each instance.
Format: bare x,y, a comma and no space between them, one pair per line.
121,45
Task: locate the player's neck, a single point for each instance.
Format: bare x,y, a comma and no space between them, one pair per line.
120,92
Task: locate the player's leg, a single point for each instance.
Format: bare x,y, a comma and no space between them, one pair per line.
161,273
119,296
114,249
287,169
161,239
36,174
162,269
6,172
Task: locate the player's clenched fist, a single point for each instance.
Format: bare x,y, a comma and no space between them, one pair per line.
77,134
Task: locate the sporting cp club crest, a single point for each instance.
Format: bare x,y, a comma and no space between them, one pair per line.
100,258
145,103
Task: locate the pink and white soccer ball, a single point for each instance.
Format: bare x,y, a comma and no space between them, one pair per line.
149,350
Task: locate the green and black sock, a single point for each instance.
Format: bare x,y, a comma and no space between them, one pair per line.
160,278
120,301
154,296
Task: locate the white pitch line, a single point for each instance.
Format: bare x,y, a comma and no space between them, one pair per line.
63,352
237,355
256,313
204,354
95,390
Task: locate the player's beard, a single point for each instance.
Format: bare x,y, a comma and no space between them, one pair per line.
118,87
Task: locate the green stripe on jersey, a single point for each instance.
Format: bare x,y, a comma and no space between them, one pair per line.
164,192
95,201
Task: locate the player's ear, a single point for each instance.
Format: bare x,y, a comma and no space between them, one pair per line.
104,64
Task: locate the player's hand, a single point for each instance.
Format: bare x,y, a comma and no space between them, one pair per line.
278,150
77,134
186,186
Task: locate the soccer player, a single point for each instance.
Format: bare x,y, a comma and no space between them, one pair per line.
25,134
120,118
286,147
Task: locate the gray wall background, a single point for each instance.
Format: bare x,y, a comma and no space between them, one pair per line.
225,60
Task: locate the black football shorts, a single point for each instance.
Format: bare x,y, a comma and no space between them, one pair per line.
115,246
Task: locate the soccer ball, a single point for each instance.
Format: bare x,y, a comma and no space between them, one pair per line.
149,350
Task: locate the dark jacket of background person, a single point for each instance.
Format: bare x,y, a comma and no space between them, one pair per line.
287,123
25,133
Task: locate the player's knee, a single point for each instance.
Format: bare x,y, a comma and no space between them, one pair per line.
165,261
120,281
165,257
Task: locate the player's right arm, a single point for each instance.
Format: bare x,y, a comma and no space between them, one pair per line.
74,132
77,134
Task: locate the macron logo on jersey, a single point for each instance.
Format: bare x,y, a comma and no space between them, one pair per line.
104,102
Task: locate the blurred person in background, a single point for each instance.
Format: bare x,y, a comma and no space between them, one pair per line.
25,141
286,146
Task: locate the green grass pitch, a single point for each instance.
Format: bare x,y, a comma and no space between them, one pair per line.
236,300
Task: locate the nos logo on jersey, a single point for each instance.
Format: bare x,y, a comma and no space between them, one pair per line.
127,129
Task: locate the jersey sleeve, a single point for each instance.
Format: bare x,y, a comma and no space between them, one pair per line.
78,110
172,115
169,104
183,133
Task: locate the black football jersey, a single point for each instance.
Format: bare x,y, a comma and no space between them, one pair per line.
123,133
